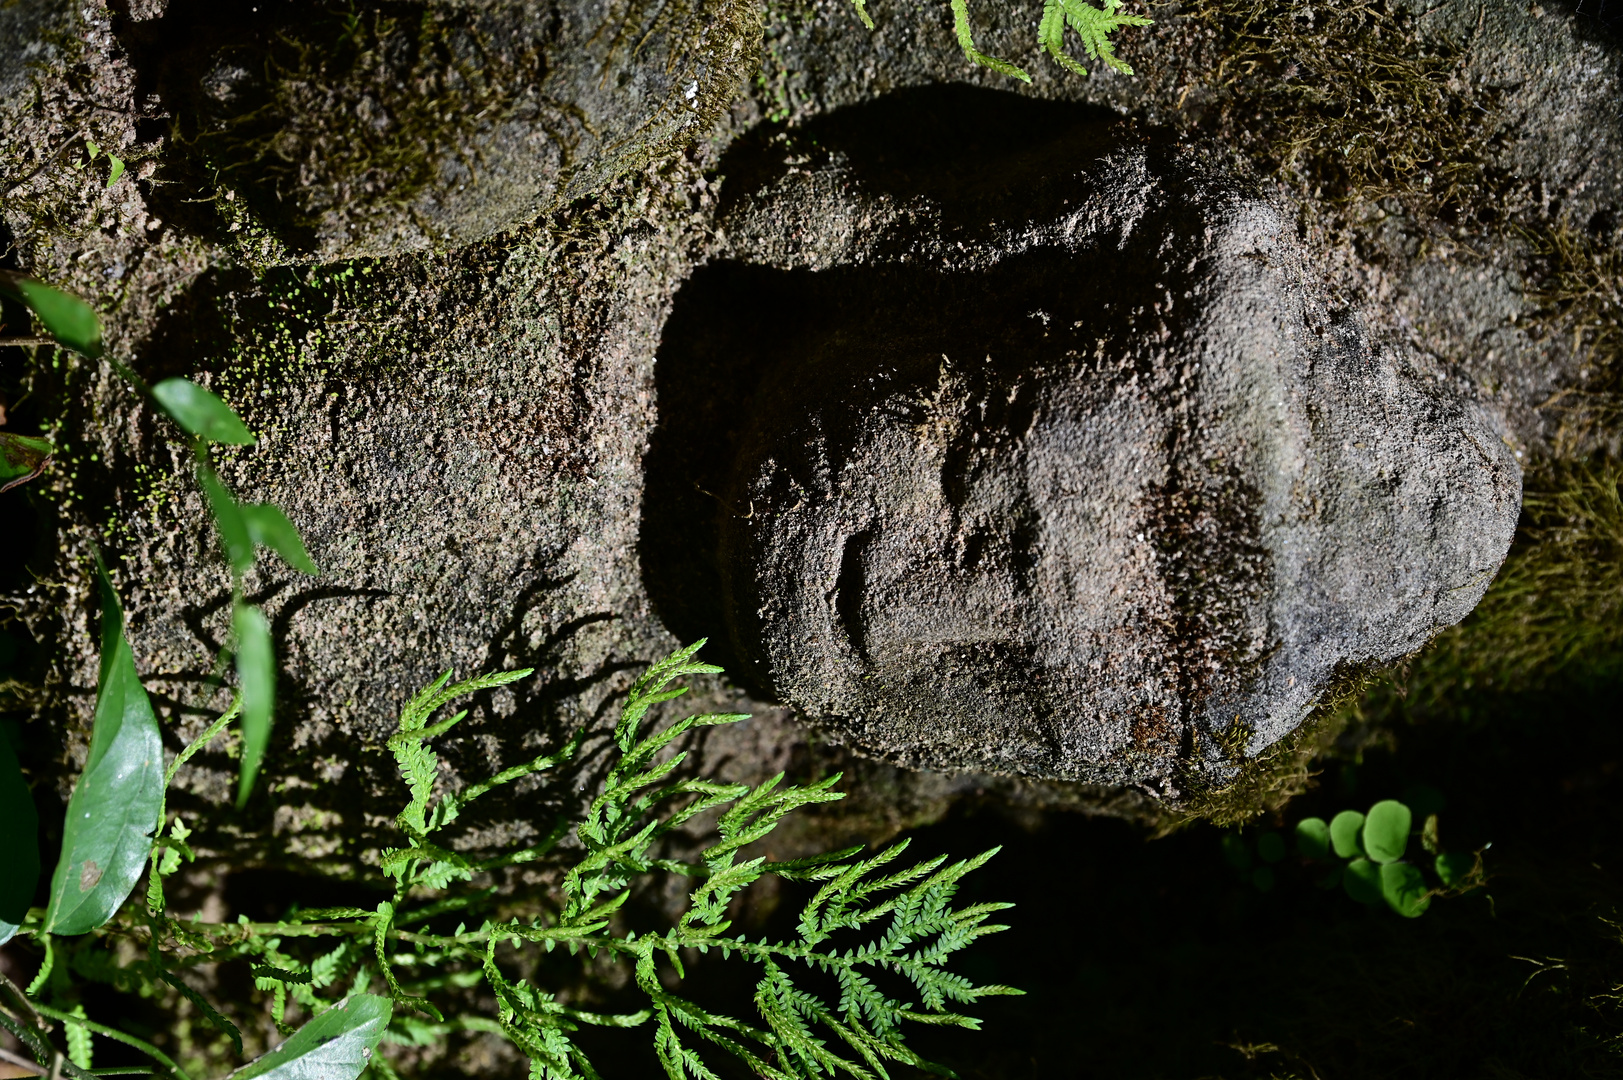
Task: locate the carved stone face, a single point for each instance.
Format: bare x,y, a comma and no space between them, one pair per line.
1100,493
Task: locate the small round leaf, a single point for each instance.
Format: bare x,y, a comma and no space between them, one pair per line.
1312,838
1263,878
1386,831
1404,889
1236,851
1362,880
1344,829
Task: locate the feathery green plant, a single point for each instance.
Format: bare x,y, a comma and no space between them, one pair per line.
1092,25
879,933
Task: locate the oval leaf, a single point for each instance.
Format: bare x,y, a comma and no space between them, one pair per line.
1312,838
65,317
201,413
21,458
1344,833
336,1045
1386,831
1404,888
1362,880
269,527
256,675
114,808
19,843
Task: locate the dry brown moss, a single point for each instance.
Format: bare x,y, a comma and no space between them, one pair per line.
1349,102
1578,289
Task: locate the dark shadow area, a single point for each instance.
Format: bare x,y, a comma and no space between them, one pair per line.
1600,19
979,153
202,64
1156,958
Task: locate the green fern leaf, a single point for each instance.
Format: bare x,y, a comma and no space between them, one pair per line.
1093,25
966,42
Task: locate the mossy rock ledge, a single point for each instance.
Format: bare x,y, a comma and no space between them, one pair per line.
369,130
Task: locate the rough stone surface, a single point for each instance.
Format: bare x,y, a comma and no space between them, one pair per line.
336,133
1062,465
477,440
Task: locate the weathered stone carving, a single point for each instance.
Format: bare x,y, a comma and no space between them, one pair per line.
1067,467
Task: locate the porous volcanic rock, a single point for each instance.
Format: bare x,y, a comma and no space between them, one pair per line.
379,128
1066,465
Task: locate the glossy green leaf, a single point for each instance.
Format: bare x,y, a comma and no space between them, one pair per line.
1270,847
336,1045
1362,880
114,807
19,843
1404,889
1452,867
116,171
1312,838
1386,831
201,413
256,675
65,317
22,458
1344,828
269,527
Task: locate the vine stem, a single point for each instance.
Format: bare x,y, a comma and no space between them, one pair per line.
118,1036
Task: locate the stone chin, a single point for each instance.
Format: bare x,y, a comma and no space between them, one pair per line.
1101,499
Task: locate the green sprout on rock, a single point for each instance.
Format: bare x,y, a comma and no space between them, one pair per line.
72,324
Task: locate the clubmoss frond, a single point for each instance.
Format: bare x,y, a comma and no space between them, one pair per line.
1091,24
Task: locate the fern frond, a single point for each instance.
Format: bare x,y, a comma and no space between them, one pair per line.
1093,25
649,690
418,764
966,42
